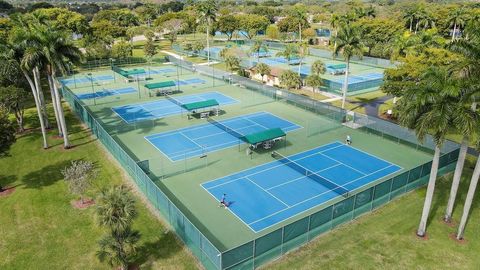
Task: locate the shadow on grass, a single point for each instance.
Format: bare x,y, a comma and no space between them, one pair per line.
46,176
163,247
7,180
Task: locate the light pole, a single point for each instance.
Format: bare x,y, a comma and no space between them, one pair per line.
93,90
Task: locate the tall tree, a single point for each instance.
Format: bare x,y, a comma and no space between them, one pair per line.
262,69
56,51
208,13
318,68
290,79
257,47
428,108
290,51
457,20
349,43
14,54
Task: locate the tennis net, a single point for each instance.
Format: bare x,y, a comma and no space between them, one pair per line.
175,101
325,182
225,128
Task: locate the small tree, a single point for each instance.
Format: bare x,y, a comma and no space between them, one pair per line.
14,100
79,177
263,69
272,32
318,68
118,248
7,132
314,81
197,46
290,79
232,63
122,49
173,26
116,210
291,50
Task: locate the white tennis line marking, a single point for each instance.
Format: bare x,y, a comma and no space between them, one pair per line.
306,200
344,164
266,191
264,170
191,128
288,182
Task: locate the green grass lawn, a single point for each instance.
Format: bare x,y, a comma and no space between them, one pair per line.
38,227
40,230
385,239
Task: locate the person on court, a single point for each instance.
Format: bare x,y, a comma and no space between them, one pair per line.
348,140
223,202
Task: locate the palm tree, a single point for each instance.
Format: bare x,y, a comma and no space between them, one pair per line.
428,108
299,12
208,12
318,67
314,81
470,74
457,20
263,69
257,47
57,51
116,208
232,63
290,79
291,50
118,248
349,43
303,51
334,23
469,198
14,53
410,17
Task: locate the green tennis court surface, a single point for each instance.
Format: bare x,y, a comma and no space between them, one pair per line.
175,187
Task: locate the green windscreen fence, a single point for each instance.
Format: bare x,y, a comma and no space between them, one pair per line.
193,238
267,247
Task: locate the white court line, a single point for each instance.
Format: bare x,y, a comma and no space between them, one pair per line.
268,192
336,165
344,164
306,200
267,169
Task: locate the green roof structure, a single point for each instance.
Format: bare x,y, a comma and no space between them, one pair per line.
200,104
264,136
157,85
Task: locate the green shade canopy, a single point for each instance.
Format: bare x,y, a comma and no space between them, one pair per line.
126,73
200,104
265,135
157,85
337,66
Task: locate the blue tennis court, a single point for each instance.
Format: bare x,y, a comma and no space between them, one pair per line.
107,93
190,81
198,140
164,107
273,192
84,79
160,70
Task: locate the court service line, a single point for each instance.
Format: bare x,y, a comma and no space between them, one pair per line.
264,190
296,179
344,164
264,170
356,179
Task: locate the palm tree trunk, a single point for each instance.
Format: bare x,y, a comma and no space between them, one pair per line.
41,98
411,24
61,115
429,196
39,110
345,85
55,109
454,31
208,44
456,179
468,200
